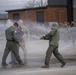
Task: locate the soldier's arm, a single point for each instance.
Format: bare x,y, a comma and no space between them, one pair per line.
48,34
46,37
51,33
15,37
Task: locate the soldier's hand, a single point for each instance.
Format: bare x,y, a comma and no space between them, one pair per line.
42,37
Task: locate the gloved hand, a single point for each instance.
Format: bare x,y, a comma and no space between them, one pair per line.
42,37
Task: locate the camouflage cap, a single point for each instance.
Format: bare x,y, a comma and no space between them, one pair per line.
54,25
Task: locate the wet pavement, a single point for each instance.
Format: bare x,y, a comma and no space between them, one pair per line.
35,59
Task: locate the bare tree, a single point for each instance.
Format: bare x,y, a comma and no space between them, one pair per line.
32,3
35,3
44,3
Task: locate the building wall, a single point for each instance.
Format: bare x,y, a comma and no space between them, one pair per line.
51,14
74,3
21,15
74,14
74,10
31,15
27,16
57,2
58,14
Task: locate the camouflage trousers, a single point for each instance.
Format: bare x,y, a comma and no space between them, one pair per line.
53,49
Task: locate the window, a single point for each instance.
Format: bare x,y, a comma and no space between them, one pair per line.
16,17
40,16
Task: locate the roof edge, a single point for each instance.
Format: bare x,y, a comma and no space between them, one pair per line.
26,9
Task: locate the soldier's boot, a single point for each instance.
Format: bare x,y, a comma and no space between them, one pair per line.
21,64
63,64
4,64
13,62
45,66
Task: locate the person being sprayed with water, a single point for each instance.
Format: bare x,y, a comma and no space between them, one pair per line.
12,44
22,34
53,37
25,31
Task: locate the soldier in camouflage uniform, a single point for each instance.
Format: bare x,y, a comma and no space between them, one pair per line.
53,37
22,34
12,44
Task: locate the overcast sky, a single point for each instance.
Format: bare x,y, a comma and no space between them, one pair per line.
15,4
12,4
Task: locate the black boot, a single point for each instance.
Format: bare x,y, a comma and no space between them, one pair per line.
45,66
63,64
4,65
